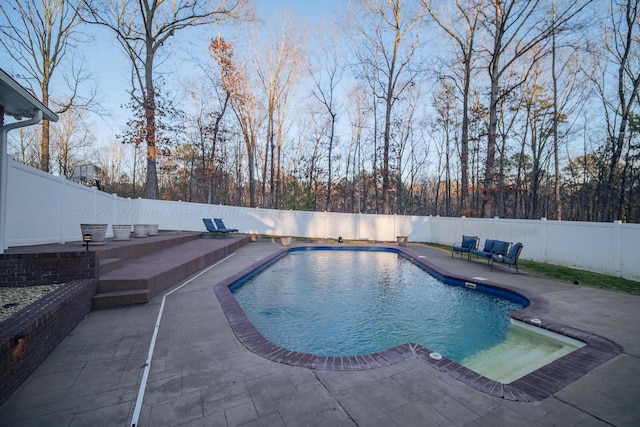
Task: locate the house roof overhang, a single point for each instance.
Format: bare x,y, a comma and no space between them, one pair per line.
20,103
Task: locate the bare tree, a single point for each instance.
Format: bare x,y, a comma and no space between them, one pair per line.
446,125
142,28
23,145
278,63
206,131
462,28
515,28
327,74
110,167
624,51
359,113
70,142
41,36
249,116
389,36
405,133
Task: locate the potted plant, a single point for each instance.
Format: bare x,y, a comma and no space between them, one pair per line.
140,230
121,231
402,240
97,232
285,240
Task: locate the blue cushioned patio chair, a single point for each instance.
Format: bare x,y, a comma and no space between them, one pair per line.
485,251
468,243
491,248
511,258
221,227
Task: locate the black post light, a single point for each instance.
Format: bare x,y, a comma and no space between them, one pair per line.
87,239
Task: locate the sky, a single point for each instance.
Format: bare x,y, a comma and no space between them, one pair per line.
105,60
109,69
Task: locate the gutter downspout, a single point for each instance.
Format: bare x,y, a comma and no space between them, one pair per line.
4,171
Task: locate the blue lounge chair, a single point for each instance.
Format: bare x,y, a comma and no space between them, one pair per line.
468,243
511,258
221,227
211,228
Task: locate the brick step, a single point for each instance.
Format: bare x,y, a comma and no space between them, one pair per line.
106,285
140,247
120,298
163,268
109,264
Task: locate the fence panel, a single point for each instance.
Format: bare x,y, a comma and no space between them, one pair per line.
33,206
628,256
42,208
574,245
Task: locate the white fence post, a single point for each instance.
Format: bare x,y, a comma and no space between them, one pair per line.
395,218
543,236
617,250
61,200
116,220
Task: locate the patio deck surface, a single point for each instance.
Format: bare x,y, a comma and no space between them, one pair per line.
202,375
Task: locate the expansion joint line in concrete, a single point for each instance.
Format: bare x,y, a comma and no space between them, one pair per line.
147,364
337,402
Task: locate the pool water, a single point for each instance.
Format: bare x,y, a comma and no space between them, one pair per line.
524,350
348,303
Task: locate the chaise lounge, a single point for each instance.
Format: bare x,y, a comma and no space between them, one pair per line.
222,228
511,258
211,228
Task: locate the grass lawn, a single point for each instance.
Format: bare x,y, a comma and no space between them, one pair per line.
573,275
582,277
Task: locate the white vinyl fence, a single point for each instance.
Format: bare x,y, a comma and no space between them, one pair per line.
42,208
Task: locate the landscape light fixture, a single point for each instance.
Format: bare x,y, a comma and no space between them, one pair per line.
19,337
87,239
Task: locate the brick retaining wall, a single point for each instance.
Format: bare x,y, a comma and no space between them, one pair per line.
27,269
44,324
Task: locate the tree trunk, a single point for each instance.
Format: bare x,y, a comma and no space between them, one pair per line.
151,188
46,129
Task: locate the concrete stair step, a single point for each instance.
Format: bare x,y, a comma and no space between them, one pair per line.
120,298
160,269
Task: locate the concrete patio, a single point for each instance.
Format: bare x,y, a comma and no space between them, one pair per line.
201,375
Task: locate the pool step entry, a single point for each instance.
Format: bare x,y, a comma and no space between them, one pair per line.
134,271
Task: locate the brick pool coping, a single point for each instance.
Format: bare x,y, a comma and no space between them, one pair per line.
532,387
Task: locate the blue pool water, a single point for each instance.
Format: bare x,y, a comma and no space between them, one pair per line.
347,303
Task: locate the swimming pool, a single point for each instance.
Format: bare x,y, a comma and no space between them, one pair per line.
355,302
343,303
539,384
